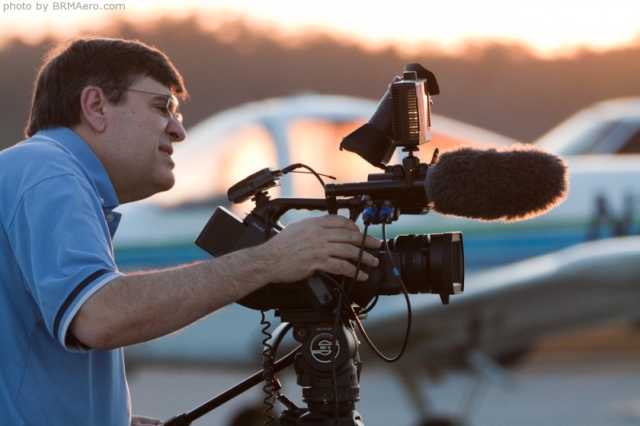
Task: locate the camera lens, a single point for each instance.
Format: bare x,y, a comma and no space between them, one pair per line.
429,263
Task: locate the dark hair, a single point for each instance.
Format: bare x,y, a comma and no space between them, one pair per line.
114,65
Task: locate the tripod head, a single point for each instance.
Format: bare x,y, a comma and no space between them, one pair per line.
328,370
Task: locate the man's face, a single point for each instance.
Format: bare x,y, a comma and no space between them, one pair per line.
140,136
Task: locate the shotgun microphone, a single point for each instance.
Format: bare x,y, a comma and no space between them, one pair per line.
511,183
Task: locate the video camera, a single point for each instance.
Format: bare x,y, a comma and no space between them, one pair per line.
327,361
428,263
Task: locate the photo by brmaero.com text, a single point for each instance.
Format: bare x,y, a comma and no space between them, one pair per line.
47,6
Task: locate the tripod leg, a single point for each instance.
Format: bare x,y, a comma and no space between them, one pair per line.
419,399
487,371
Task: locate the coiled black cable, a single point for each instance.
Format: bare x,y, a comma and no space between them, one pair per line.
271,386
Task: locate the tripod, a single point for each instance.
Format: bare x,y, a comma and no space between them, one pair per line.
327,367
328,370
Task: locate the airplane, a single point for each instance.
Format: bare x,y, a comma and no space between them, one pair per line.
572,267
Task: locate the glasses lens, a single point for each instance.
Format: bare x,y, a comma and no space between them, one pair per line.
172,107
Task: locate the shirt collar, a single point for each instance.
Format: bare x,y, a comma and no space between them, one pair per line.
94,168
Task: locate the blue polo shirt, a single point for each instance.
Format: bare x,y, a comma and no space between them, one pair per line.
56,226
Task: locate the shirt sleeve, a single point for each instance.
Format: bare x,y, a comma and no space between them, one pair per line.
62,243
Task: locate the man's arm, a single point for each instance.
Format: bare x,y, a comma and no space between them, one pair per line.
140,307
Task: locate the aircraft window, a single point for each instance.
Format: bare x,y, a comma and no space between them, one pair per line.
575,136
207,172
612,141
316,143
588,142
632,146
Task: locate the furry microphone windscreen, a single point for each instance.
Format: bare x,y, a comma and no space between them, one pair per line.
509,184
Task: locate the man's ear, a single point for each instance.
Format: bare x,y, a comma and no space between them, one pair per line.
92,104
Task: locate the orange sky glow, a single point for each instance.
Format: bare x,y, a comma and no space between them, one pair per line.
548,27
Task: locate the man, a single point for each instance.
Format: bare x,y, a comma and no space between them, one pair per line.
103,120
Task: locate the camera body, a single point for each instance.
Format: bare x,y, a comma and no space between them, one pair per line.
428,263
225,233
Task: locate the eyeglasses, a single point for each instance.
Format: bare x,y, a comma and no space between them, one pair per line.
172,103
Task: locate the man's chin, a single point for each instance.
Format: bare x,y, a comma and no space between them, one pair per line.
167,185
157,188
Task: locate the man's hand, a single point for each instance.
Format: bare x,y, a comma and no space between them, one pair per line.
324,243
144,421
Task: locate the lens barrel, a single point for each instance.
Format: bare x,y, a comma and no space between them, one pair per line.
428,263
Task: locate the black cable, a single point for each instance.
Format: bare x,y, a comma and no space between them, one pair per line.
371,305
271,385
334,349
289,169
293,167
409,314
336,324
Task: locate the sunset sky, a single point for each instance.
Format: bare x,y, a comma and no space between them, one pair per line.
549,27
